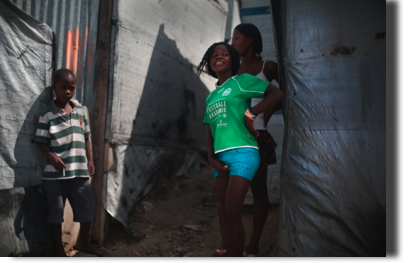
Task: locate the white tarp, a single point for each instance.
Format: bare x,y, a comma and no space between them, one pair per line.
156,100
333,179
25,72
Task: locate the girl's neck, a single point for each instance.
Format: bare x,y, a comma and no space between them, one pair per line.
224,77
250,58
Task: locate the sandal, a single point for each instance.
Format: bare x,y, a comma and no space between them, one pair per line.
245,254
221,251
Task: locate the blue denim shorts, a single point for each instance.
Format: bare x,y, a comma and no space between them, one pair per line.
242,162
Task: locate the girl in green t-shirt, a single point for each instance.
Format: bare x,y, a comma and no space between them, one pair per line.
232,148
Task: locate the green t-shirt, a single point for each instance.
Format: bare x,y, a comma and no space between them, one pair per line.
225,110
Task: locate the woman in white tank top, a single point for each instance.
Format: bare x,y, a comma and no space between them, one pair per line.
247,41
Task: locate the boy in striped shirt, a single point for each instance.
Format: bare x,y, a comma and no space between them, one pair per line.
63,137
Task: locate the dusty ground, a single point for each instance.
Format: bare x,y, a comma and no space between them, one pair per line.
183,222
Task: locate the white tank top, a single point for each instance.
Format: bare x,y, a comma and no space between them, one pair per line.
259,121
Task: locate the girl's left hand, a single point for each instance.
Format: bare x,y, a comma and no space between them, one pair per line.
250,126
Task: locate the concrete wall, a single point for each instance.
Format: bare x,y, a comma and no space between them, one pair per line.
233,18
257,12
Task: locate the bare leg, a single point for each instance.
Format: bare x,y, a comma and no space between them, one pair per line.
84,233
83,243
56,231
260,208
221,184
236,192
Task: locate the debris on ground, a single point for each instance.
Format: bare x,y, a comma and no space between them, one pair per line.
180,223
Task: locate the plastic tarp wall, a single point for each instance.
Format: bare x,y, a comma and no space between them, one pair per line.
25,72
333,178
156,100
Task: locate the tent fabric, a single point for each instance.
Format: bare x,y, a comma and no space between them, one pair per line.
333,177
25,72
133,168
156,101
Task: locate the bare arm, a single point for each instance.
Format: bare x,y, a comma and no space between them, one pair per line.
57,163
272,73
90,163
273,98
218,165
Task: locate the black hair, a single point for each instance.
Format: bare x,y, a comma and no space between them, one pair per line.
235,60
250,30
60,73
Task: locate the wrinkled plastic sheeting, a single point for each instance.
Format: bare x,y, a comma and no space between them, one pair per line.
333,177
276,129
133,167
23,225
25,72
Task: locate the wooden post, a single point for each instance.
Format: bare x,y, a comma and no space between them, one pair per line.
100,148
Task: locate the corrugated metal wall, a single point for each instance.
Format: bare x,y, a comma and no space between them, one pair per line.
74,23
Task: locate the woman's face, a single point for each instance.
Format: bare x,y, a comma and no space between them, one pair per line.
240,42
220,60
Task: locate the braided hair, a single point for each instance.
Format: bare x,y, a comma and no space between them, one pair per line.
250,30
235,60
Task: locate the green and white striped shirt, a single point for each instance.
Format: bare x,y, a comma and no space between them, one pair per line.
65,136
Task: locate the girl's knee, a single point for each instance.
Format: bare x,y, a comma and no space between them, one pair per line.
232,213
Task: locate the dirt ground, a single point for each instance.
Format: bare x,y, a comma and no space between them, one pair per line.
183,222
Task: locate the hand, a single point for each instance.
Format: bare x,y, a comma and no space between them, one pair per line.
57,163
218,165
91,168
250,126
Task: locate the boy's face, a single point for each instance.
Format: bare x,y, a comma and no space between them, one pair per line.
64,88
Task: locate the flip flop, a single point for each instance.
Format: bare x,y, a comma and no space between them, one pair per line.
221,251
246,255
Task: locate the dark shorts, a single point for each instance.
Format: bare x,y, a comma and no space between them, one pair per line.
79,194
267,148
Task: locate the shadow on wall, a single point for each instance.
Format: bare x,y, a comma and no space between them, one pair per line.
30,219
23,209
23,221
29,162
167,134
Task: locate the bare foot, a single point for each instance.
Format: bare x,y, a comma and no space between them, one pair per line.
89,249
